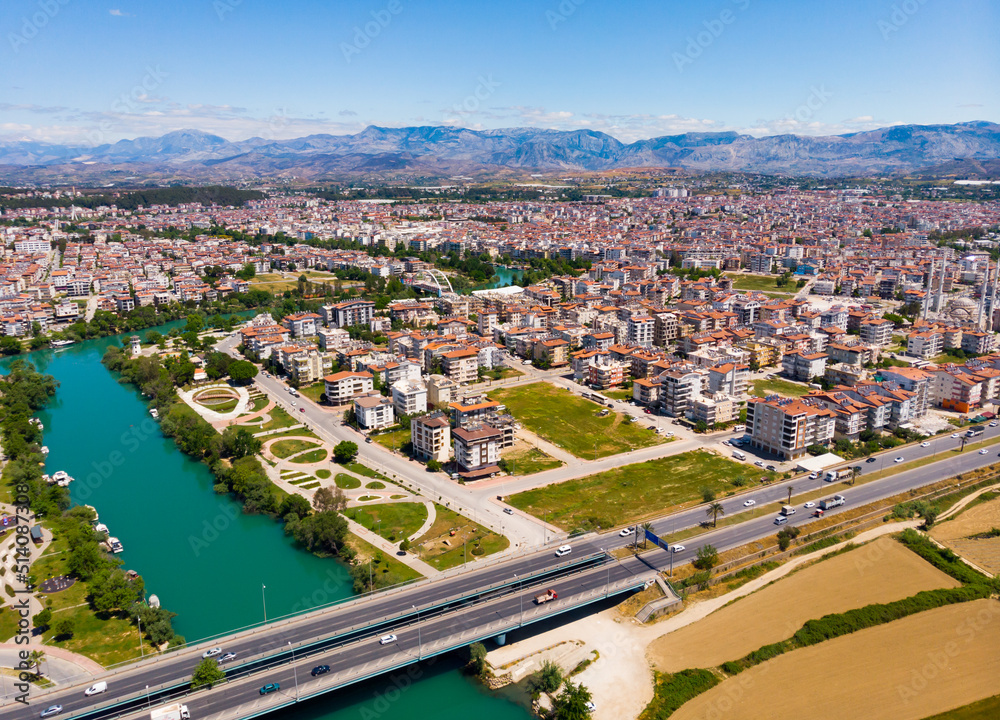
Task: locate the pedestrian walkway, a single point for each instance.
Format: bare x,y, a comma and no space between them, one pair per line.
428,523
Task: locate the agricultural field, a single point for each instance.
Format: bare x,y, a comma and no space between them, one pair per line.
572,423
974,534
903,670
879,572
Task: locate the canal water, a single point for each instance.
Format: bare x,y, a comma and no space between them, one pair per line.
217,568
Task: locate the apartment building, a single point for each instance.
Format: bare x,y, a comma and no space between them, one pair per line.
981,343
461,366
926,344
604,373
348,313
876,331
679,388
553,351
918,382
301,324
730,378
409,397
787,426
373,411
308,366
803,366
343,387
440,390
477,451
715,409
640,331
665,329
431,437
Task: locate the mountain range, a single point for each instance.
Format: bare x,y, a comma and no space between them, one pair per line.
447,151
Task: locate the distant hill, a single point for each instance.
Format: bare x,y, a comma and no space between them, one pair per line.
445,151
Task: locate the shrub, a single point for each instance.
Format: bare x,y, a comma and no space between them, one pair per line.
674,690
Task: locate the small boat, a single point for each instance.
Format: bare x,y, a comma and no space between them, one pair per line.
59,475
64,482
101,528
61,343
115,545
154,412
45,449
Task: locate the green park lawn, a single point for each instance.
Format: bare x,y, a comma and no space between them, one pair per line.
948,358
572,423
394,439
346,482
386,570
632,492
313,456
286,448
471,541
313,391
763,388
323,474
393,521
279,419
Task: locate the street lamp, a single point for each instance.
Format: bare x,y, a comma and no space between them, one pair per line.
263,598
420,650
142,653
148,702
295,673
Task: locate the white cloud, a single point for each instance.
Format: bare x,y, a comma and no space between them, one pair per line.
118,13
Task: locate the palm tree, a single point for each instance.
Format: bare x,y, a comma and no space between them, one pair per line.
790,488
646,526
715,509
35,658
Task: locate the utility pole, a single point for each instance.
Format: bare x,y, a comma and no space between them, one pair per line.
295,673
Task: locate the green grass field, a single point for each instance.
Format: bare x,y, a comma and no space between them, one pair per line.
988,709
948,358
279,419
530,461
285,448
471,541
313,391
346,482
761,283
763,388
394,440
323,474
618,394
314,456
385,569
573,423
632,492
393,521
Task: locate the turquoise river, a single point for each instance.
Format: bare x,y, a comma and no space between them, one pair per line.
214,566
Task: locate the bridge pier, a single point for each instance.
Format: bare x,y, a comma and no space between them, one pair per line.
501,640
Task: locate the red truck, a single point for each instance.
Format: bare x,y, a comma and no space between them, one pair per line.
546,596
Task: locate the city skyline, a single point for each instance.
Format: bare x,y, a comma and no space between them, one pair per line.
79,73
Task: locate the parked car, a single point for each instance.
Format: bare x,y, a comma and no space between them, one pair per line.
270,688
771,468
320,670
212,653
995,423
725,442
387,639
51,710
759,463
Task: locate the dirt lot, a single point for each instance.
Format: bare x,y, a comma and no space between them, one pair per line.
958,535
906,670
879,572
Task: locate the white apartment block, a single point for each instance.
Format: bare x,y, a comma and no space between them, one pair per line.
409,397
431,436
373,411
343,387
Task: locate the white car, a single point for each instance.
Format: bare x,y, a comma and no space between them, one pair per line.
759,463
983,451
925,444
725,442
564,550
749,503
676,548
956,435
386,639
809,504
814,476
212,653
899,459
625,532
994,423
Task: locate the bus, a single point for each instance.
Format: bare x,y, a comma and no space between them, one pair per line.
598,398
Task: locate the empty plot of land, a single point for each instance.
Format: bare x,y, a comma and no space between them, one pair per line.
905,670
879,572
972,535
572,423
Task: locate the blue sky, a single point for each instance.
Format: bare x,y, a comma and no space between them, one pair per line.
77,70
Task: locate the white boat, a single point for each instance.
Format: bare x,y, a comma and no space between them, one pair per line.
61,343
47,478
64,482
115,544
154,412
101,528
45,449
59,475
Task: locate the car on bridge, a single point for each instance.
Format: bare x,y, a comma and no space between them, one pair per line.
51,710
96,688
226,658
320,670
564,550
212,653
270,688
387,639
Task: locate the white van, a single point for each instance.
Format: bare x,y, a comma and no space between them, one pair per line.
564,550
738,455
739,428
96,688
781,520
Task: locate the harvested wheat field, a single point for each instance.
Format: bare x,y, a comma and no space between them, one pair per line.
961,534
879,572
905,670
